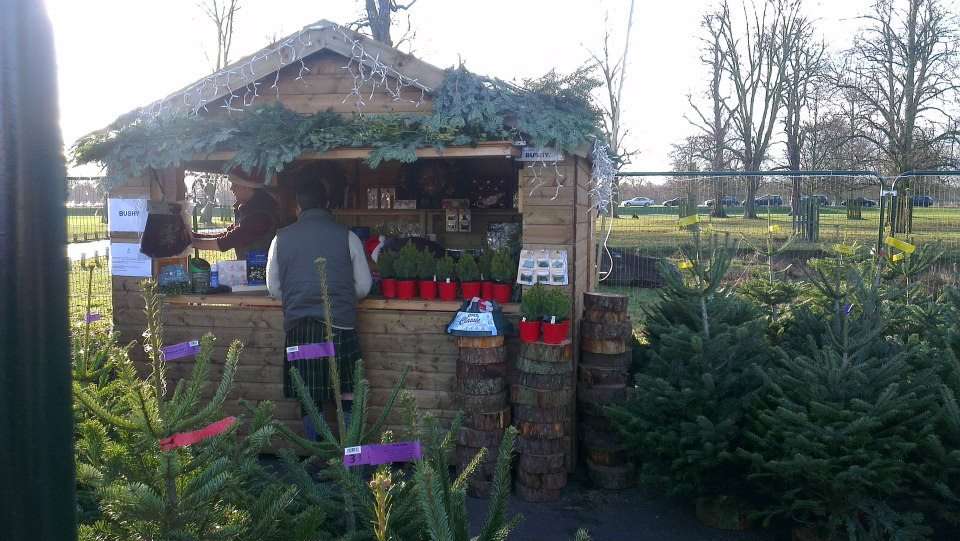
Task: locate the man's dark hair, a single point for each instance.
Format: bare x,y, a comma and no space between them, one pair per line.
312,194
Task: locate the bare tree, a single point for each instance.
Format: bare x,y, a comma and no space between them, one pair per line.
221,13
379,18
714,124
756,64
903,72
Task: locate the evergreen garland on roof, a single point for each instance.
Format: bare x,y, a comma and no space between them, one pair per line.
554,110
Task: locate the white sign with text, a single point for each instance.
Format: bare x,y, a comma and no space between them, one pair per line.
127,260
540,154
127,215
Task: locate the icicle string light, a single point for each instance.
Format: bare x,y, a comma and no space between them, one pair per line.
603,174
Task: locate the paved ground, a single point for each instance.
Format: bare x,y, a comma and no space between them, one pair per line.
611,516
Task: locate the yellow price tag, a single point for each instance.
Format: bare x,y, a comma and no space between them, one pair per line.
688,220
898,257
686,265
774,228
900,245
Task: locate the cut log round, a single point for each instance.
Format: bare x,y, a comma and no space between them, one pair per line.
538,367
520,394
589,376
479,438
606,331
479,341
596,422
602,316
598,438
481,371
593,345
497,420
546,382
531,463
619,361
547,353
605,302
611,477
541,415
483,355
547,431
602,394
482,386
555,480
483,402
542,447
605,456
537,495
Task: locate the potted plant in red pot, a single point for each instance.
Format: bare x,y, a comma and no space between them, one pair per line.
485,262
531,310
469,275
388,280
406,271
502,268
427,272
447,285
556,313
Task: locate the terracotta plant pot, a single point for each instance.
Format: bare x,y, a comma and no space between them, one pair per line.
555,333
486,289
470,289
529,331
389,287
502,293
447,290
406,289
428,290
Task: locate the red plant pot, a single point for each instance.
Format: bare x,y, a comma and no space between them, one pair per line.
555,333
428,290
470,289
448,291
502,293
529,331
486,289
406,289
389,287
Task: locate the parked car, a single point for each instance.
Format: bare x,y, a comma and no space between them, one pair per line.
864,202
767,200
823,199
726,201
638,202
923,201
675,202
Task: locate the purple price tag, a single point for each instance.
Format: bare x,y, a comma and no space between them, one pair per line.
178,351
310,351
91,317
374,455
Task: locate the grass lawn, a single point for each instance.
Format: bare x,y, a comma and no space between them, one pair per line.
100,297
82,228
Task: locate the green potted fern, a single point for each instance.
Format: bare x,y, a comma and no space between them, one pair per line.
446,274
427,271
406,270
388,281
556,314
485,262
469,275
502,268
531,310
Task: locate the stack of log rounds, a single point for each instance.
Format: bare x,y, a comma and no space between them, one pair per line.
606,336
482,389
541,395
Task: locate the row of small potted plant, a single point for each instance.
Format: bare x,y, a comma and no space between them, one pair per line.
547,310
412,273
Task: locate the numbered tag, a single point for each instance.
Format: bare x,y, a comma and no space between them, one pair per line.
179,351
687,221
310,351
686,265
898,257
375,455
900,245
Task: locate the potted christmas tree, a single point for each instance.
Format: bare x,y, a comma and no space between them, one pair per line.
502,268
426,271
485,262
556,311
388,281
531,308
406,271
448,279
469,275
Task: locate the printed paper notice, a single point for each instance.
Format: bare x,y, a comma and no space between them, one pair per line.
127,215
126,260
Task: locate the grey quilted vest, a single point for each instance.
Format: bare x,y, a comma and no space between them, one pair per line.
314,235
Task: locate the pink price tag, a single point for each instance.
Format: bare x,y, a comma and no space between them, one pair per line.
310,351
179,351
374,455
184,439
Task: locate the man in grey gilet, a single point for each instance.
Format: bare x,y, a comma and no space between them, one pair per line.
292,277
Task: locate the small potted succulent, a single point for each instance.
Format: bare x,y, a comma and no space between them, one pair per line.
485,262
469,275
531,310
388,277
427,272
406,270
502,268
446,274
556,313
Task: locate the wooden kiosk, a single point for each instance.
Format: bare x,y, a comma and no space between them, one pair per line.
551,201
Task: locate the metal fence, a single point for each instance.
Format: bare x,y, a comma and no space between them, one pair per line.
89,287
831,209
86,209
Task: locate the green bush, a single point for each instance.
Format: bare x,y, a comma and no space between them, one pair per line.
446,268
531,304
467,269
502,267
426,265
556,303
406,264
386,263
485,263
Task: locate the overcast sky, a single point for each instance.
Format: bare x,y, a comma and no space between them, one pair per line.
116,55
